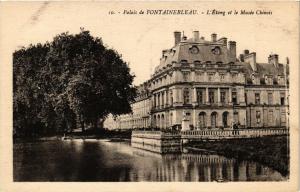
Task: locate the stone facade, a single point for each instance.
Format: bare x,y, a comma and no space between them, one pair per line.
206,83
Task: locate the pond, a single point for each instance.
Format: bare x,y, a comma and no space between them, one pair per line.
102,160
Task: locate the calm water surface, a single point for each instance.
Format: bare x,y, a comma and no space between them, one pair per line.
100,160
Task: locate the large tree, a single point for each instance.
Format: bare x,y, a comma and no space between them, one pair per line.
74,78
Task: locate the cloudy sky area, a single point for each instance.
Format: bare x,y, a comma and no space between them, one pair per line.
141,38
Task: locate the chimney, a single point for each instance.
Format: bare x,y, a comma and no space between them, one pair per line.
242,57
213,37
177,36
196,35
273,59
251,59
232,49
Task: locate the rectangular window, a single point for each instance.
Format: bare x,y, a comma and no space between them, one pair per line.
257,98
270,117
210,76
270,98
199,96
188,115
223,96
258,117
186,96
162,99
234,97
282,98
236,117
234,76
185,76
211,96
199,76
222,76
283,118
171,97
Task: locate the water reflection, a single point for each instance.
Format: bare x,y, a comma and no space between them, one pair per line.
93,160
206,167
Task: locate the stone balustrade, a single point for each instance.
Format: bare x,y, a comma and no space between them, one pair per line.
229,134
163,142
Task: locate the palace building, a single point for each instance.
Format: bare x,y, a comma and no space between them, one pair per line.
205,82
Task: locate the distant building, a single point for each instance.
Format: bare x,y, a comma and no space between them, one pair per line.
205,82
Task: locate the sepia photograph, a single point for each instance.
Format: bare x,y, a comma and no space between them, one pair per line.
129,95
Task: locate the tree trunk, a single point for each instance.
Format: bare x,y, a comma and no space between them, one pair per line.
82,124
95,123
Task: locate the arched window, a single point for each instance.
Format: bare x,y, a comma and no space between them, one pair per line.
202,120
214,119
171,119
225,119
158,121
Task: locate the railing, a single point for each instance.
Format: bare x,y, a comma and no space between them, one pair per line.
238,133
155,134
211,134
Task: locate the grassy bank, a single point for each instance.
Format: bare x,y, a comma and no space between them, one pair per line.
102,134
272,151
114,135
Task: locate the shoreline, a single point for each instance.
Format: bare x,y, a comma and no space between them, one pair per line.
272,151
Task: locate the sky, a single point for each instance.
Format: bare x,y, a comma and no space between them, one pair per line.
141,38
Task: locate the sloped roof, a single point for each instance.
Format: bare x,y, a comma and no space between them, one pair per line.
182,52
264,69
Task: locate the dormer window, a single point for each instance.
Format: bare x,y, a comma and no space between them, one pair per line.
280,80
253,78
197,63
194,50
184,62
216,50
173,51
266,80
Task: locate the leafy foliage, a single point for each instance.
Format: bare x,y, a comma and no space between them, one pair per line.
72,80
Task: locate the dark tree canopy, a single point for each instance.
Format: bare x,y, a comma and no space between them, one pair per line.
72,80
